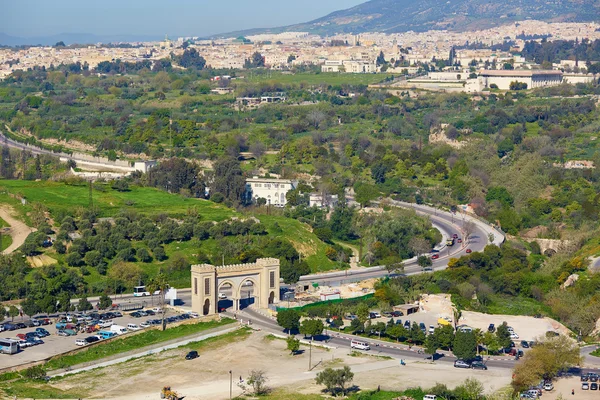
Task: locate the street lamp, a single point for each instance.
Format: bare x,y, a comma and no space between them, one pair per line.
230,385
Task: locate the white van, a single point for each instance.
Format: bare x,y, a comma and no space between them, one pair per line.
133,327
360,345
118,329
429,397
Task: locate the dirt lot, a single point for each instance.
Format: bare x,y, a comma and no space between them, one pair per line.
18,230
207,377
563,387
528,328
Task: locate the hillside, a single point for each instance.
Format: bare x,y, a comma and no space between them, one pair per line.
394,16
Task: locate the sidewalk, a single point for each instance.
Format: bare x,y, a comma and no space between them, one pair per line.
145,351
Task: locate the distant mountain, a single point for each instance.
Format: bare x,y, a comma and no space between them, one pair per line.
72,38
393,16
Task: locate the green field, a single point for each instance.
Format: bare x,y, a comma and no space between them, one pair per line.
329,78
62,197
5,241
131,343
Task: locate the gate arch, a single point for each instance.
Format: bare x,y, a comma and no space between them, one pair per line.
208,279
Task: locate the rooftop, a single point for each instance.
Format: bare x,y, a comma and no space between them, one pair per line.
520,72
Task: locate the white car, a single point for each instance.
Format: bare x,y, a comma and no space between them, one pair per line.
145,324
431,329
106,324
133,327
510,329
157,310
80,342
193,314
548,386
514,336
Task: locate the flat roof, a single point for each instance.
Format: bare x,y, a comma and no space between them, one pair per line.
520,72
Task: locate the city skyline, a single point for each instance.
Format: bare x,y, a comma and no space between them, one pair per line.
157,18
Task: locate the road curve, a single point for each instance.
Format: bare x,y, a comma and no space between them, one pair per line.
446,222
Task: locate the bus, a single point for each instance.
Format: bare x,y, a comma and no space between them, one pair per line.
450,242
140,291
9,346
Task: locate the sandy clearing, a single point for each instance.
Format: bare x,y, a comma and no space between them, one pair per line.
208,378
528,328
18,230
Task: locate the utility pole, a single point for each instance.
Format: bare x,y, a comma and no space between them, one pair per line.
230,385
310,354
91,197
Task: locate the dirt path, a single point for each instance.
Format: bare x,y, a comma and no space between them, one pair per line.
18,230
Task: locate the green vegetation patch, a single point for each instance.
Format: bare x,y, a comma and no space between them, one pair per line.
132,343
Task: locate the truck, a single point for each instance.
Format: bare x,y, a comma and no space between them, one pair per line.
450,242
118,329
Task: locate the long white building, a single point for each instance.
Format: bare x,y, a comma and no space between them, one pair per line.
271,189
533,78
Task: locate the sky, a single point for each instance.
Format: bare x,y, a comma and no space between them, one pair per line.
30,18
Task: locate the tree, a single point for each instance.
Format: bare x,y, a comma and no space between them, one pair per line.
381,59
312,327
159,253
229,179
104,302
256,61
258,380
362,312
293,344
335,380
445,336
546,360
419,245
288,319
143,255
465,345
13,312
159,283
365,193
431,345
28,306
468,229
503,336
424,262
417,336
84,305
191,59
470,389
315,118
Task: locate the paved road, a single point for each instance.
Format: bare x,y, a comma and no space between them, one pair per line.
399,351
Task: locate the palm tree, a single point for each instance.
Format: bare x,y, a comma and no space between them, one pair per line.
159,283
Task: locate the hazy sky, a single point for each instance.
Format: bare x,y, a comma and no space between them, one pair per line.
27,18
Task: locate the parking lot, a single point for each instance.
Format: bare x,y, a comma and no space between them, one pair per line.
56,344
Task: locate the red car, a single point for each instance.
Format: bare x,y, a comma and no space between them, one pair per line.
435,256
459,240
468,251
22,336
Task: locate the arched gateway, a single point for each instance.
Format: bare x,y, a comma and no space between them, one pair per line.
207,279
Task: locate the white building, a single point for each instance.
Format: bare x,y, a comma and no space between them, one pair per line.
271,189
533,78
351,66
318,200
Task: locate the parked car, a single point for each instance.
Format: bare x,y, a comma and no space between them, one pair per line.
422,327
42,332
80,342
584,377
468,251
135,314
461,364
492,328
21,336
514,336
91,339
191,355
593,377
585,386
524,344
397,314
548,386
459,240
593,386
478,365
407,324
431,328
